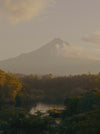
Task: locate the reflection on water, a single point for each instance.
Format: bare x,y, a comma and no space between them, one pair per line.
43,108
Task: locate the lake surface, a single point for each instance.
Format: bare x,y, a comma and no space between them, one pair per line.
44,107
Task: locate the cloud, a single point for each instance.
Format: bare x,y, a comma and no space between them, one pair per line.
93,38
71,51
68,50
22,10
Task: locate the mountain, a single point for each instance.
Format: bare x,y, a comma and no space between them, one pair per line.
50,58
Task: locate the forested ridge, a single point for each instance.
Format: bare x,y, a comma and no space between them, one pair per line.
54,89
80,95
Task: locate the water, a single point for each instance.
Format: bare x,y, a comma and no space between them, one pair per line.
43,108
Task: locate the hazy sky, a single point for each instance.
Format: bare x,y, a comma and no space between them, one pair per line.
25,25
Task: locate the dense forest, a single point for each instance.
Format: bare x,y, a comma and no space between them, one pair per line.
80,95
54,89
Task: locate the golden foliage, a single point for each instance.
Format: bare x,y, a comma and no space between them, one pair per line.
10,85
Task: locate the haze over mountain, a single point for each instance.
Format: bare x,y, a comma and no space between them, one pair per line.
55,57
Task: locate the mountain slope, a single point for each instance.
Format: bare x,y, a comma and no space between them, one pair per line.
50,59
